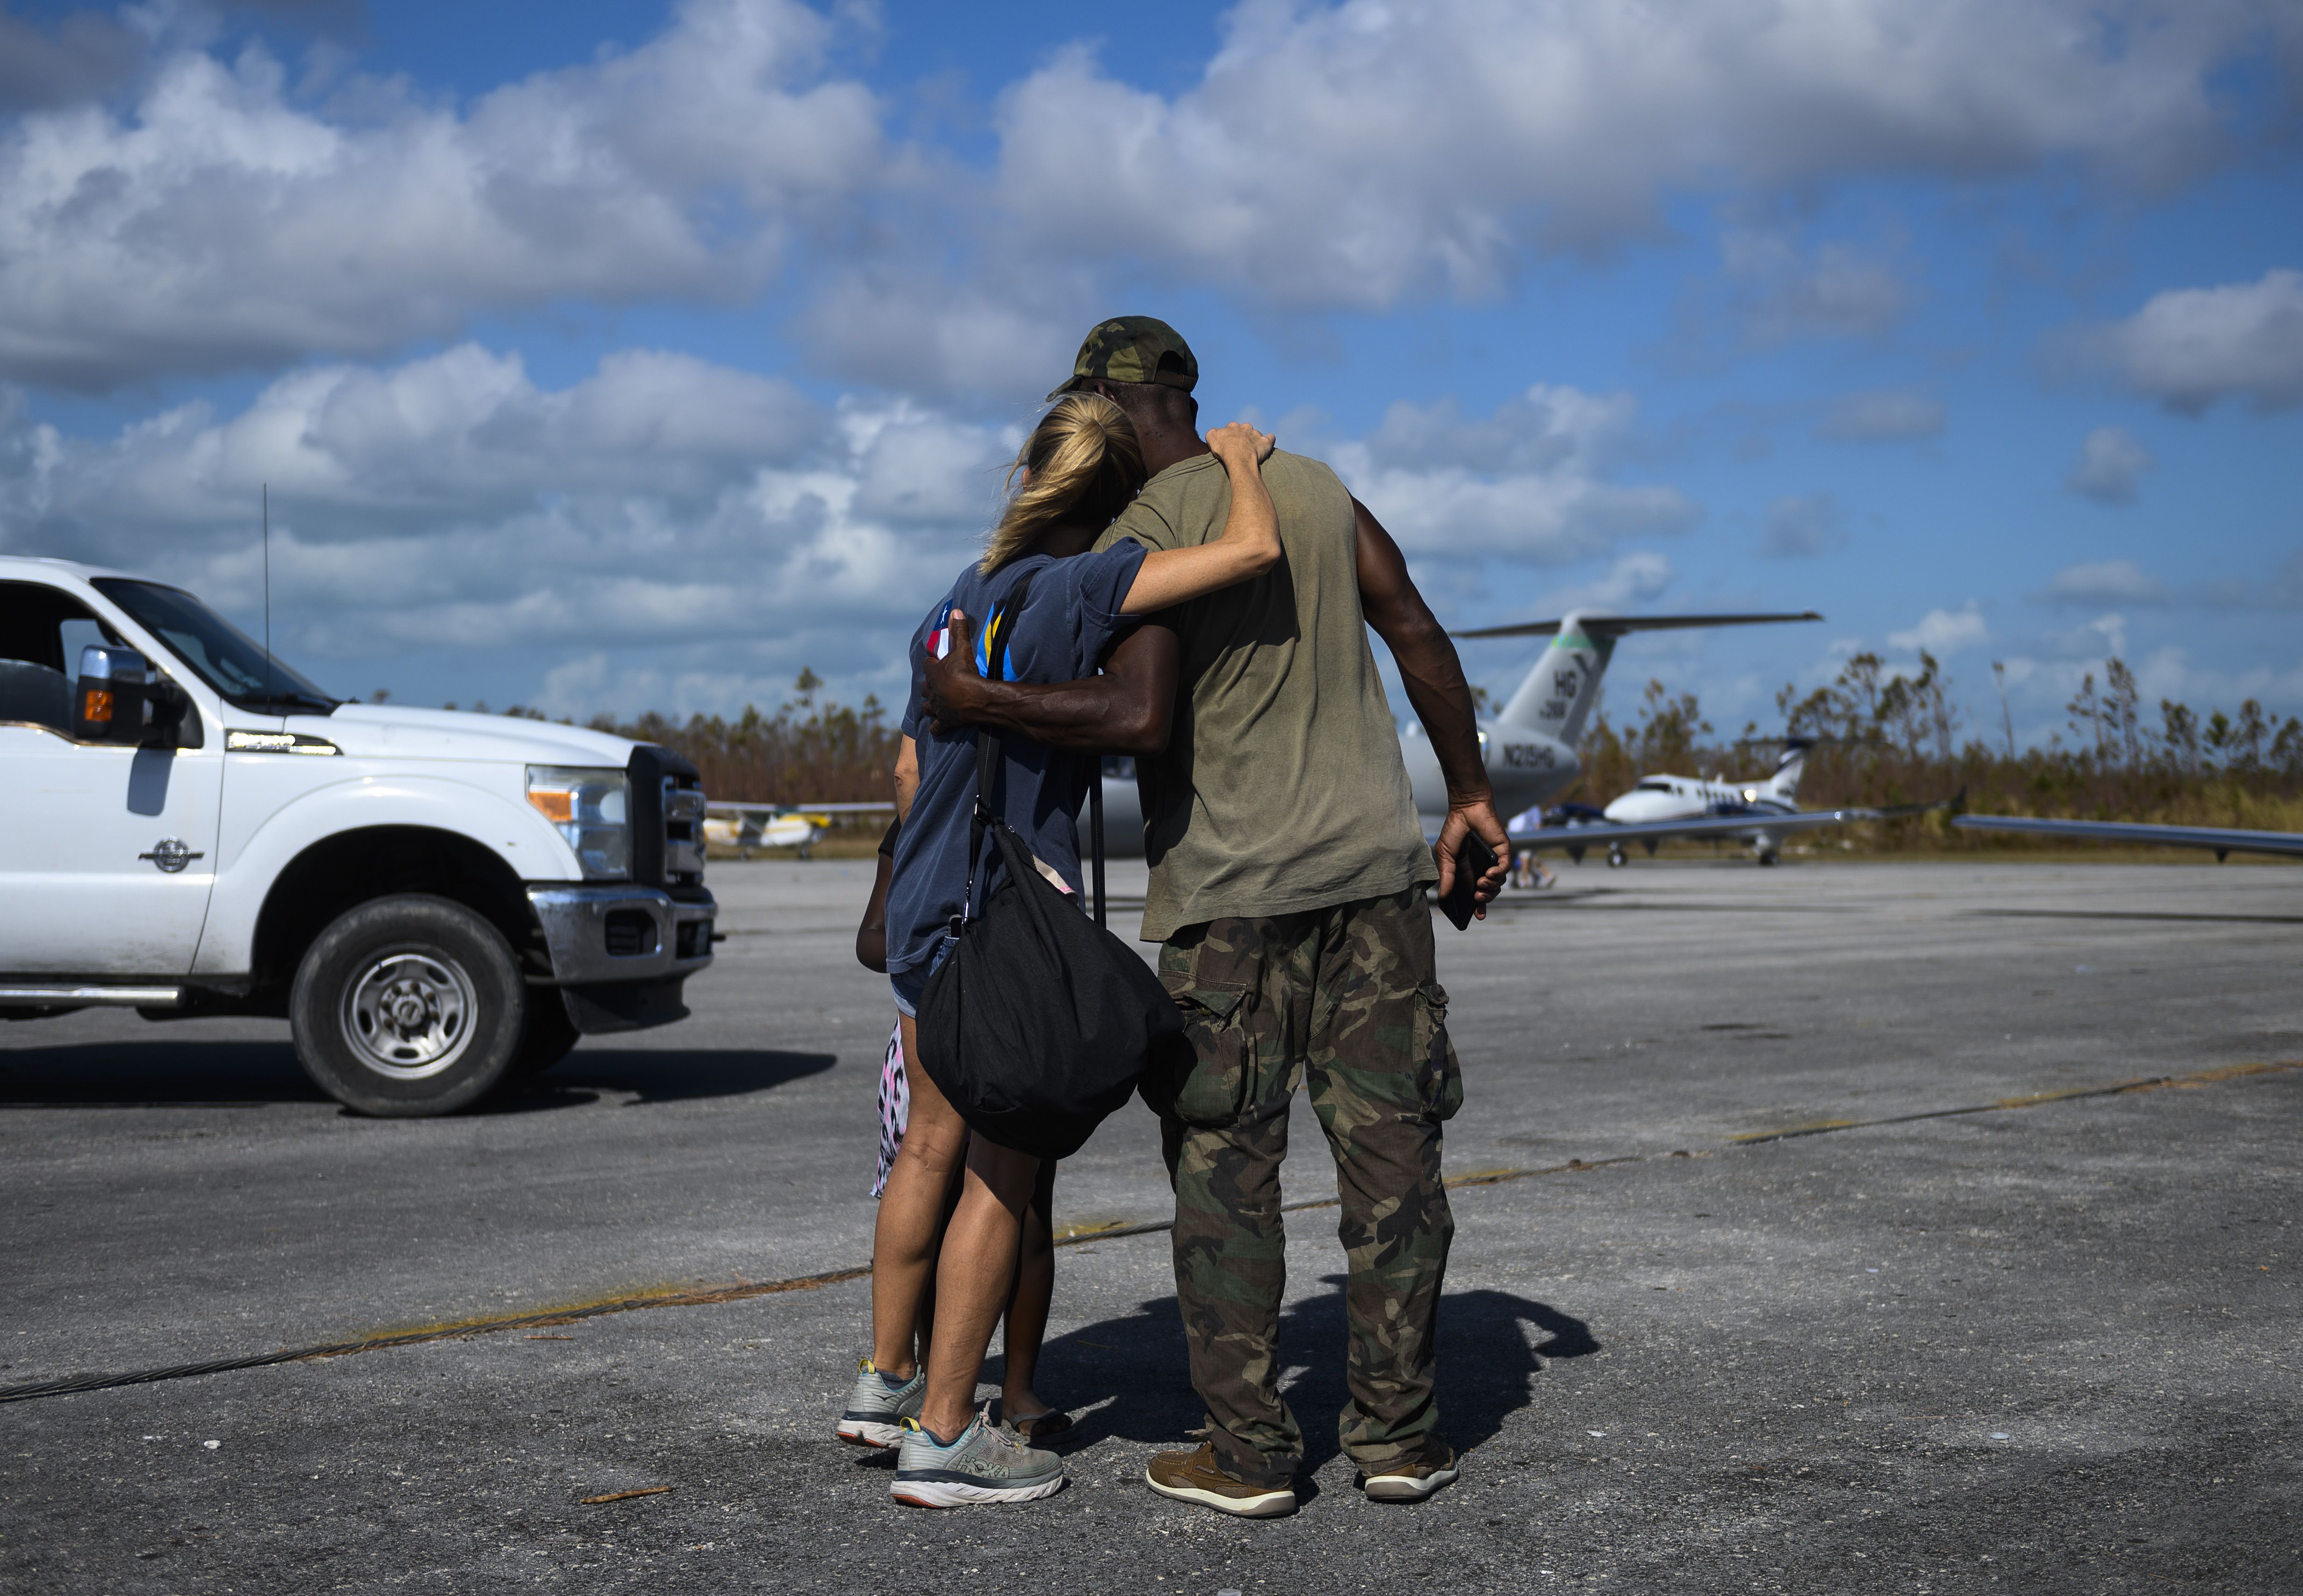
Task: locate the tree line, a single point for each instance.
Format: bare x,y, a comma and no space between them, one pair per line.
803,751
1882,737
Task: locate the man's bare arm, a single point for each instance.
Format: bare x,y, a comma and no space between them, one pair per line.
1127,710
1440,696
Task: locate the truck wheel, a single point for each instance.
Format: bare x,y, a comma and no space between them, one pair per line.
408,1006
546,1038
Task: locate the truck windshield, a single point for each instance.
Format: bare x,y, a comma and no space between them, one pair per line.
225,658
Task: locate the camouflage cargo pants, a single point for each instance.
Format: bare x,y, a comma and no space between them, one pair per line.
1342,1000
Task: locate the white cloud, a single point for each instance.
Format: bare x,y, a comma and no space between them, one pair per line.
1637,578
1353,153
1881,415
1332,154
1835,293
913,332
83,55
2110,467
1803,527
1942,632
2104,637
1527,484
221,224
669,526
2190,349
2106,582
451,503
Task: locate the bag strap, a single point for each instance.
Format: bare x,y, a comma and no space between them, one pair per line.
1095,832
988,764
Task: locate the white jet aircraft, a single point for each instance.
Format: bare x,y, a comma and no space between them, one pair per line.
1692,798
1659,808
1529,748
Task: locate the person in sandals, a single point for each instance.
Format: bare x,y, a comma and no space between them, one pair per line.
1080,468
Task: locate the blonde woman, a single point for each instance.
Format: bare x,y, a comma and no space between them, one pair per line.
1078,470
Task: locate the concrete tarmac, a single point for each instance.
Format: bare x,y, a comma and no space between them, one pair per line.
2050,1347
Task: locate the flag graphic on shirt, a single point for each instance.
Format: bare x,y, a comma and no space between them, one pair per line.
938,641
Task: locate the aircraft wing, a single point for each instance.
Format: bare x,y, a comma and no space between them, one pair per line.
1602,834
1616,625
2222,839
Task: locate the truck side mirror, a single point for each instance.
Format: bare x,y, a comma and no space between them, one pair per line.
108,702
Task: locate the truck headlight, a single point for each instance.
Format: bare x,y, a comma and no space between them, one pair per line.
592,809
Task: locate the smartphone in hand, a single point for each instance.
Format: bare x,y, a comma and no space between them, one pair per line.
1473,859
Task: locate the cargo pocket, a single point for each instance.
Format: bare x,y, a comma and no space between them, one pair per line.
1205,1075
1437,1075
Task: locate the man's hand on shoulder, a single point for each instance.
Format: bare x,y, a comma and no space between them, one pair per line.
951,692
1466,818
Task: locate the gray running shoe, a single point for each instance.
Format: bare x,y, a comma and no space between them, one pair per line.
986,1463
876,1410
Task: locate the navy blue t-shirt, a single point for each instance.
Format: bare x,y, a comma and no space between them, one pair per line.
1068,622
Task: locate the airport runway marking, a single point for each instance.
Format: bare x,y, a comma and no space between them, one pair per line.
671,1296
2150,1083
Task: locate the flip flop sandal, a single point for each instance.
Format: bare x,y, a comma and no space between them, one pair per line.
1039,1429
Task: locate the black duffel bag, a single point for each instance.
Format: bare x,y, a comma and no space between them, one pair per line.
1039,1021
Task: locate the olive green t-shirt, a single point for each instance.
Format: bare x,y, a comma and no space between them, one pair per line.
1282,788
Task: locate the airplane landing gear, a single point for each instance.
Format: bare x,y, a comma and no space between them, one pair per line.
1616,858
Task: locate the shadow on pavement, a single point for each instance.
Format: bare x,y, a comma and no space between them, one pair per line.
1488,1365
182,1074
157,1073
676,1074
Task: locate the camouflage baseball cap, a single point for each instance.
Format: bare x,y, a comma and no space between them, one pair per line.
1133,349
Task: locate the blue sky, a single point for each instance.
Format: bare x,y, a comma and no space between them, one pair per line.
615,357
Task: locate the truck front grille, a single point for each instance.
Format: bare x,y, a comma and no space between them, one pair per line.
667,821
683,830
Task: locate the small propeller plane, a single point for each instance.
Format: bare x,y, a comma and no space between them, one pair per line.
744,826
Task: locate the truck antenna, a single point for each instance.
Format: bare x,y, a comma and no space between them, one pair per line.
267,591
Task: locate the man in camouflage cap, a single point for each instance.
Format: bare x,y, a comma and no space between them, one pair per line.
1289,871
1133,349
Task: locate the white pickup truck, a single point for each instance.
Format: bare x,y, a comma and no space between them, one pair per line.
433,902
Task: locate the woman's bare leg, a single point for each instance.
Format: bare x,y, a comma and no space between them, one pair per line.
911,1212
927,1291
1028,1304
973,1278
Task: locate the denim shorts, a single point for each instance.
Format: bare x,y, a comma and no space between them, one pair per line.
912,986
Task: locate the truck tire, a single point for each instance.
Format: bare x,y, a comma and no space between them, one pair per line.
546,1038
408,1006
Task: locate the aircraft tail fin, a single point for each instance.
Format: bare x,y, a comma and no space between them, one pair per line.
1558,692
1558,695
1784,782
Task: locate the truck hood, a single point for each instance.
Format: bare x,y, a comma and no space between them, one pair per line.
386,732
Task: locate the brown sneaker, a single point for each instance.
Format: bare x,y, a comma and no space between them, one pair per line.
1197,1477
1413,1482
